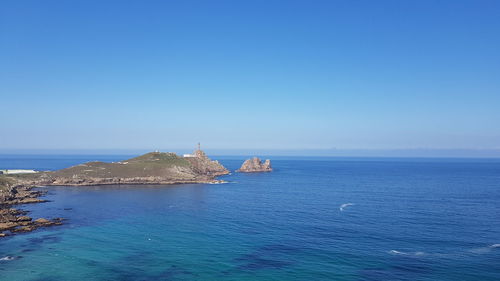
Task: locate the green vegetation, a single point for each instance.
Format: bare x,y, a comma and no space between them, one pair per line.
150,164
162,158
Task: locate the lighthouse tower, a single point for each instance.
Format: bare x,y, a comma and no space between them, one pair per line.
199,153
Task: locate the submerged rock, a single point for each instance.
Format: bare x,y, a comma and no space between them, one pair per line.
42,221
26,228
255,165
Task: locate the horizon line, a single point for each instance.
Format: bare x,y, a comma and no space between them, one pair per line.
311,152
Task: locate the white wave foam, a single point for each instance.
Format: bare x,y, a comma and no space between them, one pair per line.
484,250
7,258
345,205
219,182
394,252
480,250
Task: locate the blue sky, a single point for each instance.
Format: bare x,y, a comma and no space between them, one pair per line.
258,75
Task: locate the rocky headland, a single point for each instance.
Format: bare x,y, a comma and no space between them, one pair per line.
150,168
255,165
13,220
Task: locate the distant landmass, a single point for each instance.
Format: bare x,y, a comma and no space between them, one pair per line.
150,168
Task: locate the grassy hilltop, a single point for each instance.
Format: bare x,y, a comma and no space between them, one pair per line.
150,164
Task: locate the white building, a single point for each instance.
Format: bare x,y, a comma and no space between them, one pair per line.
17,171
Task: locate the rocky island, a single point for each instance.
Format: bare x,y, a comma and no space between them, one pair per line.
255,165
150,168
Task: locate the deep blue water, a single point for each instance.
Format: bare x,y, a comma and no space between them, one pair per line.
410,219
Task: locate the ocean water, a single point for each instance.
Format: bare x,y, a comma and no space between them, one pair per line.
310,219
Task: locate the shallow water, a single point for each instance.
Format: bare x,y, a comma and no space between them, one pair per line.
402,219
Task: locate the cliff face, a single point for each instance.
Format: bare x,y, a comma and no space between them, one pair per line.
255,165
202,165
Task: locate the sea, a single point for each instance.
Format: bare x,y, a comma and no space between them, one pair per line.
312,218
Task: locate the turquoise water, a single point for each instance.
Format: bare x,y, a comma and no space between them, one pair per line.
408,219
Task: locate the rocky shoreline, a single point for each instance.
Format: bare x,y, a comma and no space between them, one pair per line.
13,220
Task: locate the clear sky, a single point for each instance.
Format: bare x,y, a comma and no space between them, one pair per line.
250,74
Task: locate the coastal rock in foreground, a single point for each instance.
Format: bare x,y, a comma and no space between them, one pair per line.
255,165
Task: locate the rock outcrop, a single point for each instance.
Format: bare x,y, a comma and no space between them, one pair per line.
255,165
201,164
13,220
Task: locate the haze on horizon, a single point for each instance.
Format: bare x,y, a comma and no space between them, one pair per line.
256,75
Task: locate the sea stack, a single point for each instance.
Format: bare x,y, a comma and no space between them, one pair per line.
255,165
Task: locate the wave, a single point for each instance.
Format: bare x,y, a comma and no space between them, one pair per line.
481,250
345,205
484,250
394,252
8,258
